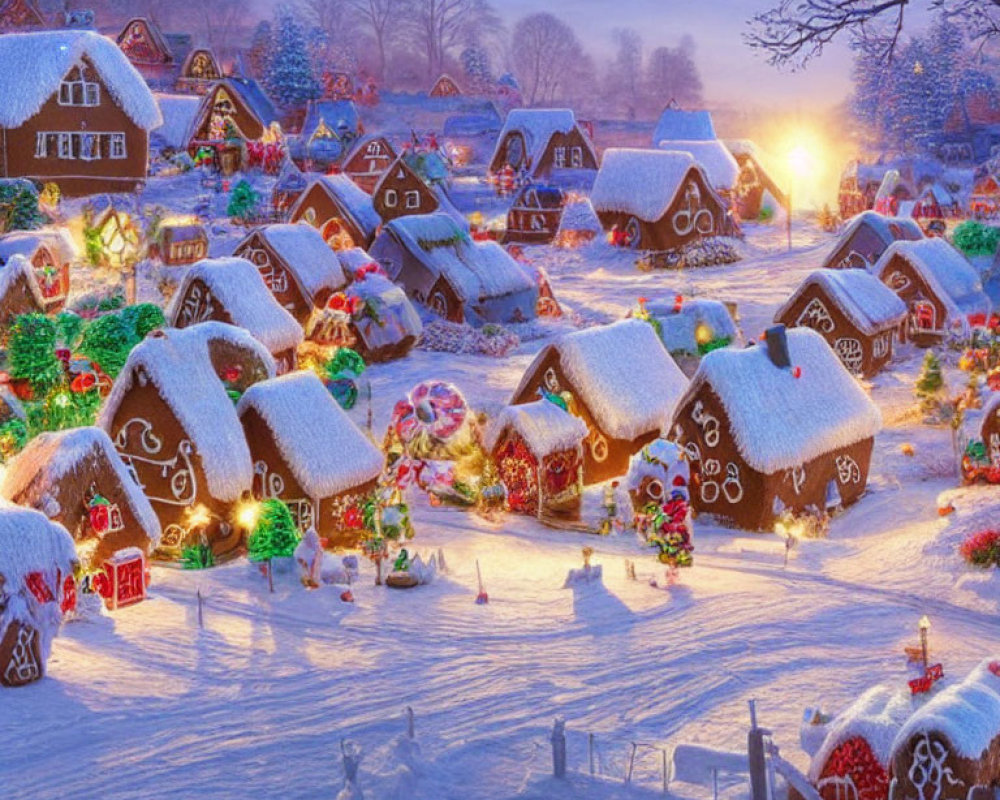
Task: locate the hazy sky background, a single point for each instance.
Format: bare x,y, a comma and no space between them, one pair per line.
733,74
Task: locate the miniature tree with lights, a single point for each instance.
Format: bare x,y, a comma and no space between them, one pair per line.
242,202
384,522
274,534
930,385
289,78
108,340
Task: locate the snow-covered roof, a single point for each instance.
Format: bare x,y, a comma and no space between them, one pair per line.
537,125
779,421
888,229
352,198
354,258
31,542
579,215
623,374
718,163
642,183
58,240
324,449
32,65
178,112
966,713
545,427
876,716
18,266
477,270
49,457
689,126
869,304
200,338
397,317
678,328
183,374
314,264
947,272
239,287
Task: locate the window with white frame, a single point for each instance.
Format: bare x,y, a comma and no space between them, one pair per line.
413,199
82,145
560,157
391,198
76,90
576,156
66,145
117,146
41,145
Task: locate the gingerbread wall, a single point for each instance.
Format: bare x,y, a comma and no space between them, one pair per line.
369,162
547,161
76,177
317,207
18,300
900,276
402,183
927,766
278,276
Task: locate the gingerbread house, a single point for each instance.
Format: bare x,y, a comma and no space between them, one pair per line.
542,141
857,314
941,289
780,425
693,326
984,202
533,217
655,473
866,238
20,15
180,243
236,357
329,130
19,291
232,290
538,449
199,71
52,253
368,160
233,112
78,114
435,260
297,266
658,199
853,759
625,402
307,452
37,560
340,210
578,224
174,425
756,192
156,55
950,748
389,326
402,192
692,132
445,86
76,478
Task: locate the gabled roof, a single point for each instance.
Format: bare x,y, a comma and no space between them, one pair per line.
876,716
779,421
32,65
870,305
967,714
623,374
31,542
360,143
643,183
19,267
888,229
58,240
326,452
29,6
314,266
537,125
340,116
952,278
182,373
50,457
154,33
239,287
248,92
688,126
679,327
179,112
545,427
351,197
579,215
712,156
476,270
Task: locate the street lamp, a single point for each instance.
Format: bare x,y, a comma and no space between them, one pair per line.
924,625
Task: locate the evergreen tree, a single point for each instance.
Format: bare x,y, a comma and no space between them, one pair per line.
243,201
31,353
930,383
289,77
274,535
261,50
107,341
19,206
476,66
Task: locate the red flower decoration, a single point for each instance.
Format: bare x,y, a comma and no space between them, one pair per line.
231,374
353,518
83,382
338,302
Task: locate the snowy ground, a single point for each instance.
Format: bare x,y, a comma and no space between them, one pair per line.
146,704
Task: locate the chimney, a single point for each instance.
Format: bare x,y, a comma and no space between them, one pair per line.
777,346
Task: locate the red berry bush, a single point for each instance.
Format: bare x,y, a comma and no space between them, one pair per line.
982,549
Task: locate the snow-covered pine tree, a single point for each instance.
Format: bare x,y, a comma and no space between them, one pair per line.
476,66
261,50
289,78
